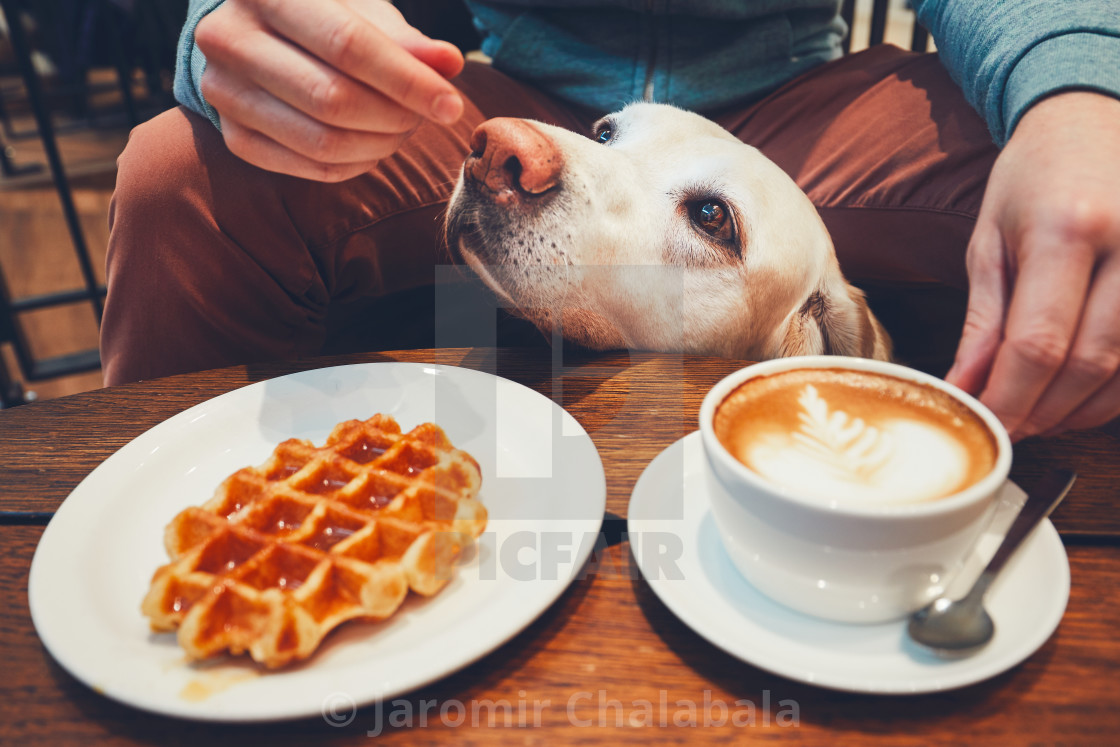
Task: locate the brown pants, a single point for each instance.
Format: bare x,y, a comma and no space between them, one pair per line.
213,262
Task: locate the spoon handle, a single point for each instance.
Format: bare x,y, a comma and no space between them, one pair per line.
1040,502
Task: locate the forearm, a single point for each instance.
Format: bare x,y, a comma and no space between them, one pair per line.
1007,56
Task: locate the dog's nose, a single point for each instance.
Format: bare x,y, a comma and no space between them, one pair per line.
512,156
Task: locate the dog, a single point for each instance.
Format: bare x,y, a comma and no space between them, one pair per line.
662,231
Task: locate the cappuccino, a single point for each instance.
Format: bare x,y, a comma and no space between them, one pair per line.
855,436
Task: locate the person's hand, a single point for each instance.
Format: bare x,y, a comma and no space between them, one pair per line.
322,89
1041,342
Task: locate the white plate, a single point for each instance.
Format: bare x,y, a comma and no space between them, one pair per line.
677,546
543,485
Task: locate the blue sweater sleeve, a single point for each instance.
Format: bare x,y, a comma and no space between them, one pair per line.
1005,54
190,63
1008,54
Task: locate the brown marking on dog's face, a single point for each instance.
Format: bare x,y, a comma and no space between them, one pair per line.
796,340
815,310
839,323
866,331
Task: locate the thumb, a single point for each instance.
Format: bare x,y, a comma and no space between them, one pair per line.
987,309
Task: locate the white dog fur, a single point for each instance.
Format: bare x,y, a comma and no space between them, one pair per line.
661,232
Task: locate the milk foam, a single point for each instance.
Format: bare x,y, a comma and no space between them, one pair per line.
835,456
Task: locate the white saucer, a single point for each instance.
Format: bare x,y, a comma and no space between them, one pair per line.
677,546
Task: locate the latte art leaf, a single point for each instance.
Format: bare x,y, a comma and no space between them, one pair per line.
847,446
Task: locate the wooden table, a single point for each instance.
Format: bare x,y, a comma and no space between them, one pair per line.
608,638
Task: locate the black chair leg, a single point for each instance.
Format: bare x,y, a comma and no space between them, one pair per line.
112,18
848,13
22,50
11,392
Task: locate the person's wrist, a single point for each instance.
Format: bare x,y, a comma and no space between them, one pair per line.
1067,109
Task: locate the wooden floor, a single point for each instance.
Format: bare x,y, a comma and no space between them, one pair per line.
36,253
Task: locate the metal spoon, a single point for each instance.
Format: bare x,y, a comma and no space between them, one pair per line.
962,626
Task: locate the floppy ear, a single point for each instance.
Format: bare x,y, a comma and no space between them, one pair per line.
835,323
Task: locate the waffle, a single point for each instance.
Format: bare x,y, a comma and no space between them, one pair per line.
287,551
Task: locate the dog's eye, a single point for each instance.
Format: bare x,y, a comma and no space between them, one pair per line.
604,133
713,218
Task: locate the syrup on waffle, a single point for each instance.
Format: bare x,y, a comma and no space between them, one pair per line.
287,551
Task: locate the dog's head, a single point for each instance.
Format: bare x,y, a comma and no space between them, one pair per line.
661,232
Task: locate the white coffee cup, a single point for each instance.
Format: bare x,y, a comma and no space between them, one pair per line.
841,560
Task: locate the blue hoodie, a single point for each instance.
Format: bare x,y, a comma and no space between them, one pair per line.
706,55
